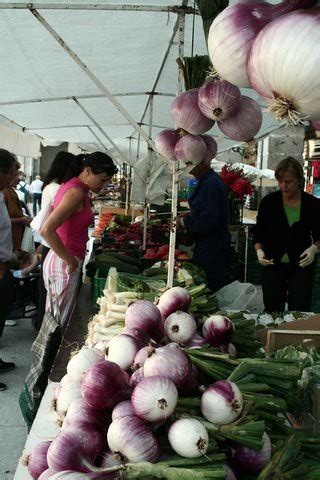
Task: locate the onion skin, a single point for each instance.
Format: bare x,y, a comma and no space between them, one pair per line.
218,99
141,357
173,299
79,413
123,409
286,77
37,459
136,377
168,361
82,361
222,402
133,439
191,149
212,148
218,330
252,461
144,315
165,143
122,350
187,115
105,385
245,123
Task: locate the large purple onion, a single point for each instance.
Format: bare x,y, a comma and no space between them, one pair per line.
218,330
212,147
168,361
252,461
165,143
37,459
245,123
146,316
187,115
218,99
105,385
79,413
191,149
173,299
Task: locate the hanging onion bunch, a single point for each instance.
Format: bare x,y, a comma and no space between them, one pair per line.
245,123
187,115
218,99
165,143
288,77
235,28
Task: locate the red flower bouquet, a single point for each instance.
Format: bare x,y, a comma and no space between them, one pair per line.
237,182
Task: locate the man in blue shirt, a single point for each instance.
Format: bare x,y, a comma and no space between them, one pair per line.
208,222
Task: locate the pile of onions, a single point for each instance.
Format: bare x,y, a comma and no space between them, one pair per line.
133,439
168,361
287,77
144,315
37,459
187,115
218,330
218,99
154,398
180,327
82,361
165,143
122,350
105,385
191,149
173,299
222,402
252,461
188,437
233,31
245,123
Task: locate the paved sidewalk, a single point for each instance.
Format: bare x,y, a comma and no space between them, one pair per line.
14,346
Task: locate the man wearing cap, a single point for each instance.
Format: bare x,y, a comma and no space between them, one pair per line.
208,222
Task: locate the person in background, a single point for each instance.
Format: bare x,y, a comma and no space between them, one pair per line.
51,185
23,187
18,220
8,170
36,190
24,205
66,229
208,223
286,240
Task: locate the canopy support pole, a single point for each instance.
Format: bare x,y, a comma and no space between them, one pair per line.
147,205
175,176
91,75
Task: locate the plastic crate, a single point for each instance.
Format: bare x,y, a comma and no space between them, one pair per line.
99,281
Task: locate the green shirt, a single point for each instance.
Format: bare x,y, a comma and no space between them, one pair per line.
293,215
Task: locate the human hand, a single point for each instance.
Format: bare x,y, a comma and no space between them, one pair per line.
26,220
307,256
262,259
72,265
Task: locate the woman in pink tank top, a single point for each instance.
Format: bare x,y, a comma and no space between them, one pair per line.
66,228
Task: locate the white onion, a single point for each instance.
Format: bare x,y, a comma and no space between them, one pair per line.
82,361
165,143
173,299
122,350
168,361
218,99
212,148
188,437
222,402
133,439
245,123
187,115
154,398
68,393
191,149
282,65
218,330
180,327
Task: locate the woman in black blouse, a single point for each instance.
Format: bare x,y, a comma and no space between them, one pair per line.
286,240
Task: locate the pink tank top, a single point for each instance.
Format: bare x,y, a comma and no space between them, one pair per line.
74,231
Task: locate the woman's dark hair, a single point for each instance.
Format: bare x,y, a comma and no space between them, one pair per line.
7,160
58,168
99,162
291,165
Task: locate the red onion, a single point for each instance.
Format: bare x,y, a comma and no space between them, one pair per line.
122,350
191,149
286,77
222,402
82,361
46,474
105,385
168,361
173,299
197,341
136,377
212,148
145,315
180,327
123,409
165,143
79,413
141,357
245,123
187,115
154,398
218,99
252,461
75,449
218,330
140,335
189,438
133,439
37,459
